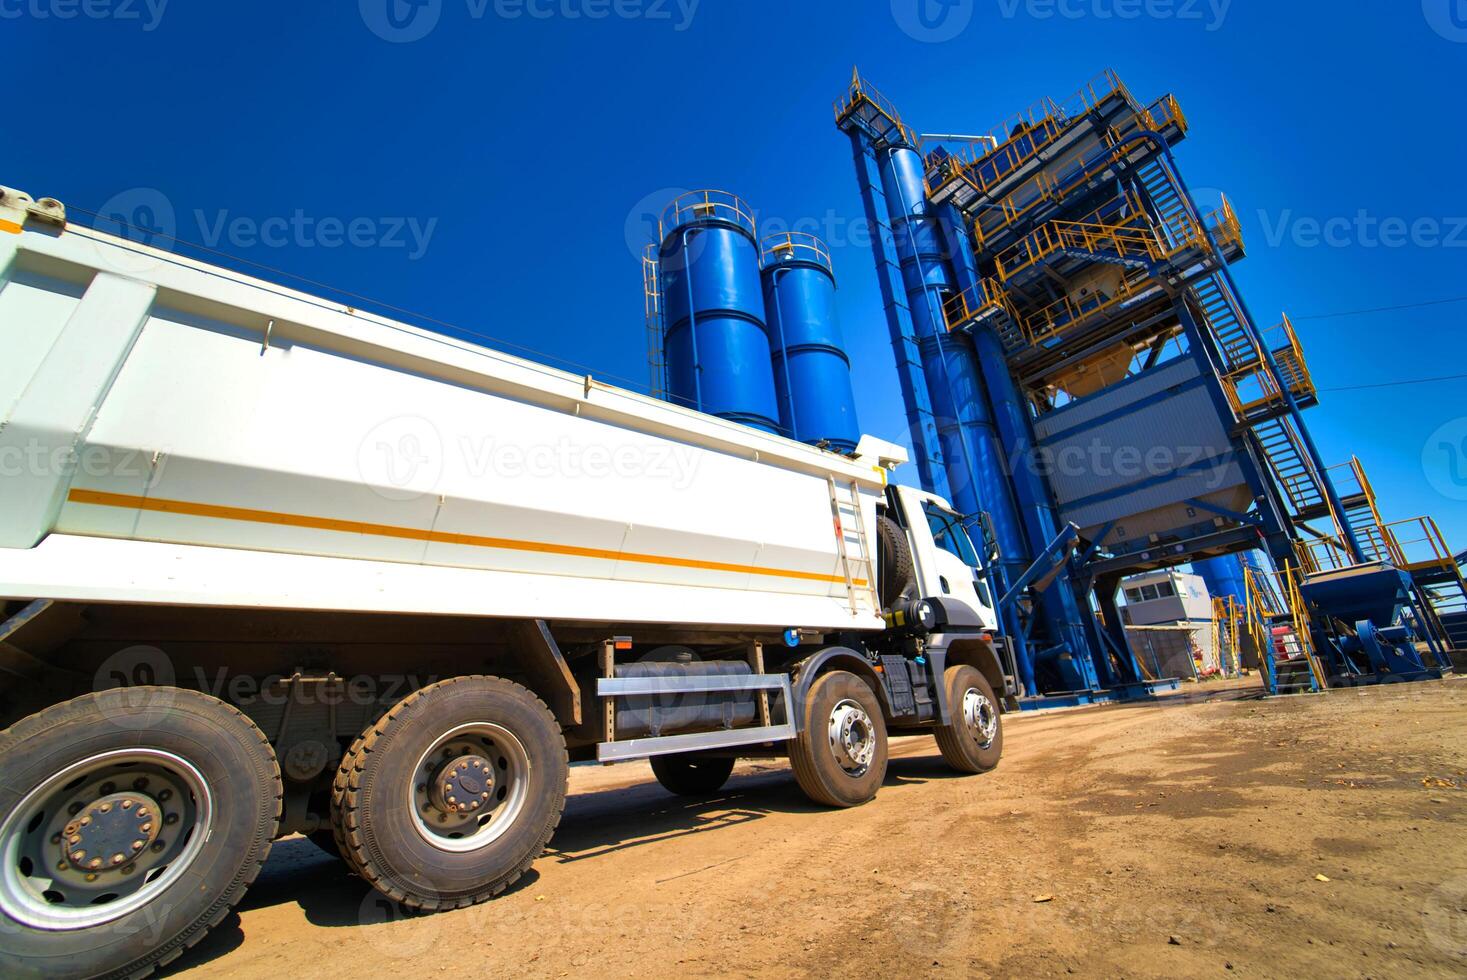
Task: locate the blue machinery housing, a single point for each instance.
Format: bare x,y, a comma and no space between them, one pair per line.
1081,374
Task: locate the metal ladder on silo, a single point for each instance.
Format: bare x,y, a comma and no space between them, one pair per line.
852,568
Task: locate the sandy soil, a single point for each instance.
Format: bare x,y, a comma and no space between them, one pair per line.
1185,837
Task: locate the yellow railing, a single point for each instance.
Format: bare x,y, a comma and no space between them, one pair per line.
704,205
1251,384
1226,229
863,91
1065,313
1420,544
1274,597
981,299
1227,618
796,246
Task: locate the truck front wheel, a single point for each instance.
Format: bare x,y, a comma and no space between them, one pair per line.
973,741
130,822
839,757
448,798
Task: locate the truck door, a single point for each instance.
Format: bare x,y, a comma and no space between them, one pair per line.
948,565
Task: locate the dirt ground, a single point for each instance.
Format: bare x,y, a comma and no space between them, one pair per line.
1191,836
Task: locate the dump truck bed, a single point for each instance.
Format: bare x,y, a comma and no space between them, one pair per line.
175,432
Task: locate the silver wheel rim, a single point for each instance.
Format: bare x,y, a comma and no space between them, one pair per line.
980,715
470,787
43,882
852,737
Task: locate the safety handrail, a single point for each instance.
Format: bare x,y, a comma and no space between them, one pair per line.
983,296
796,246
1288,353
705,205
863,91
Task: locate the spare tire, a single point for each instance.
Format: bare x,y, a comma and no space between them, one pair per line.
895,569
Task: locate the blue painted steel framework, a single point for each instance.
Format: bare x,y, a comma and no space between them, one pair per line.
1055,286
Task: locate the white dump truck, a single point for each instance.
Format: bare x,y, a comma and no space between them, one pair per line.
270,565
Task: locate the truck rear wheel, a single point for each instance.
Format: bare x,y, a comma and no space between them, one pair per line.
691,774
839,757
973,742
131,821
448,799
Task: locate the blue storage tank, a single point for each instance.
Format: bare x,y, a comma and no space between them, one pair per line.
716,346
812,374
1223,576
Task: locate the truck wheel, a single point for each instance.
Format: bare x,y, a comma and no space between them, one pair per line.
839,757
448,799
974,740
691,774
131,821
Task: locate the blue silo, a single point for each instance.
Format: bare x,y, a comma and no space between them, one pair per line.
717,346
1223,576
812,374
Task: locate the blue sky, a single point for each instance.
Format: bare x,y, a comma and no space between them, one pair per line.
495,171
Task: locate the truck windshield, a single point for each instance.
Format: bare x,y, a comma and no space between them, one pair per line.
948,534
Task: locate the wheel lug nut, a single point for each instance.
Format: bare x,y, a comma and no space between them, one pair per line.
137,845
91,877
79,856
94,863
85,821
105,808
127,804
118,858
142,811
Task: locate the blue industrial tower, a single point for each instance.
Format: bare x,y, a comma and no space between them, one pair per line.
1075,356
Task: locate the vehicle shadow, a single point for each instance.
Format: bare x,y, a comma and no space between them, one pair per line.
595,823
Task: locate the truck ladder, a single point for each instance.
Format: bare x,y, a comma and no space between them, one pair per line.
859,572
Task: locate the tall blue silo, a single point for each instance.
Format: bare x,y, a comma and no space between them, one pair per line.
812,374
716,345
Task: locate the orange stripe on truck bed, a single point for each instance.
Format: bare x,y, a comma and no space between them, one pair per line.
191,509
10,226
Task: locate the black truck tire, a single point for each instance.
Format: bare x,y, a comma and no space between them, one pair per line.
166,799
895,568
973,742
692,774
448,799
839,757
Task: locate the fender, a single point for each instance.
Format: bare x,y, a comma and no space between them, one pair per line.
835,658
946,650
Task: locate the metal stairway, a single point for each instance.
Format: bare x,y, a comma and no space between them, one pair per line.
1172,213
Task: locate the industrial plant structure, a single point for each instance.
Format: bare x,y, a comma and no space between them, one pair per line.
1082,375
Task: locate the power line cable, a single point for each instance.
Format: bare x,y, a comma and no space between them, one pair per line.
1383,309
